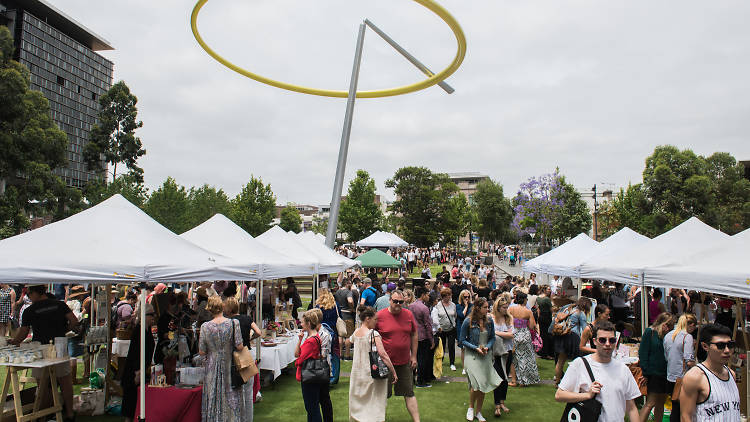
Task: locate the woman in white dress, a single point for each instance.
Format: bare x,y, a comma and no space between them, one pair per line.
367,395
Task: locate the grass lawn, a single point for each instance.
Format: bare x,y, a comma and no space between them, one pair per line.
442,402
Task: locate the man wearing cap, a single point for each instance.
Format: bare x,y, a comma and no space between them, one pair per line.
48,318
385,300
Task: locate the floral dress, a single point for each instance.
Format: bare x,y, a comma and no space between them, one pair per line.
221,403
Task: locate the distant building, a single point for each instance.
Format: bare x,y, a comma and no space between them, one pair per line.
60,54
467,183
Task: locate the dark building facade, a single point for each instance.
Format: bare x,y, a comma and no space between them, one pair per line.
61,56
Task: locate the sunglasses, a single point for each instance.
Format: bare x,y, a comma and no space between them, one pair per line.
605,340
397,302
721,345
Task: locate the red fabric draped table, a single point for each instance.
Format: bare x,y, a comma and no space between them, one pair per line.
171,404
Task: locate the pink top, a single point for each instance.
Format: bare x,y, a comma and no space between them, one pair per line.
520,323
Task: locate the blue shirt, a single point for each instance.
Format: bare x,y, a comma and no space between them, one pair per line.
369,296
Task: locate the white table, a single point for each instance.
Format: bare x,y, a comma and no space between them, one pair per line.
278,357
48,376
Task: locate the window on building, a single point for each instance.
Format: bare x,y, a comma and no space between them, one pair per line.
60,80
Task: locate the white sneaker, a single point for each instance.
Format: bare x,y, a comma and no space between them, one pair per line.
481,418
463,372
453,367
470,414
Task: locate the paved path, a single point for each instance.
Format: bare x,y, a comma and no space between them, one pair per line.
504,267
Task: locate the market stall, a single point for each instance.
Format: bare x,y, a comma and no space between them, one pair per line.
381,239
376,258
113,242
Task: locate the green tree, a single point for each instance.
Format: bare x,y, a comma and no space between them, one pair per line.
112,138
169,206
31,146
319,225
573,217
493,210
359,215
422,198
678,185
204,202
455,219
254,207
128,185
290,219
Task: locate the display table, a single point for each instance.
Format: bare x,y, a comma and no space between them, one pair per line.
120,347
171,404
48,376
278,357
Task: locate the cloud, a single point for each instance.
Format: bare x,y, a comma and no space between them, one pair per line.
591,87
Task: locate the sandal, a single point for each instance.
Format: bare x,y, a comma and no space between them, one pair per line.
498,412
505,409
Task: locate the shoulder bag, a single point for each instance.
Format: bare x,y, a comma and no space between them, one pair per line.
378,368
236,377
340,323
316,370
586,410
244,360
678,382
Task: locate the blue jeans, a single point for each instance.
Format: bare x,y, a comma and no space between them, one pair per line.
335,368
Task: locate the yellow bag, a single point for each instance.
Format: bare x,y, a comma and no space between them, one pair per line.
437,365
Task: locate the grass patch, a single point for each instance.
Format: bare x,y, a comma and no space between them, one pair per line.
444,401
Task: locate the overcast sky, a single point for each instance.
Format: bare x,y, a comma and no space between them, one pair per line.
588,86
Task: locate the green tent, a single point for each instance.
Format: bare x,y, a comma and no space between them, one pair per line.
378,259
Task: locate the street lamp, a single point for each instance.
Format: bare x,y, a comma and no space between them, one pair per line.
596,211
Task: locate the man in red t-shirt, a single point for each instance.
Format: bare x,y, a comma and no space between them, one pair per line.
398,329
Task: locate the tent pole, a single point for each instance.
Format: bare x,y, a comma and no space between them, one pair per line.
259,316
142,416
644,305
107,317
580,287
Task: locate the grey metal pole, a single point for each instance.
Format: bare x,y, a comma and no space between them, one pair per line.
338,183
142,380
412,59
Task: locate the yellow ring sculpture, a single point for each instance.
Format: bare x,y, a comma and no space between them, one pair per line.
430,81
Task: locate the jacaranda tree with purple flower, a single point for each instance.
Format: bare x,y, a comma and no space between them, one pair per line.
536,206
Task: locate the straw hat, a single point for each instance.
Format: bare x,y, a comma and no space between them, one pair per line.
77,293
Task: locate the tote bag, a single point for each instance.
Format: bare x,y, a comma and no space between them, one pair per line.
586,410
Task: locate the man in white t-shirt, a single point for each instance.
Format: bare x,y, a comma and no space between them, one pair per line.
615,388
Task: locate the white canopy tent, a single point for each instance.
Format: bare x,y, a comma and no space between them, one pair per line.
113,242
558,261
310,241
721,269
581,244
569,266
222,235
381,239
627,267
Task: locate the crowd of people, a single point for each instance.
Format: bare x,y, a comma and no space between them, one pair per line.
412,331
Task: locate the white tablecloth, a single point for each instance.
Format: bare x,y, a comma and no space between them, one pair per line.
276,358
120,347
